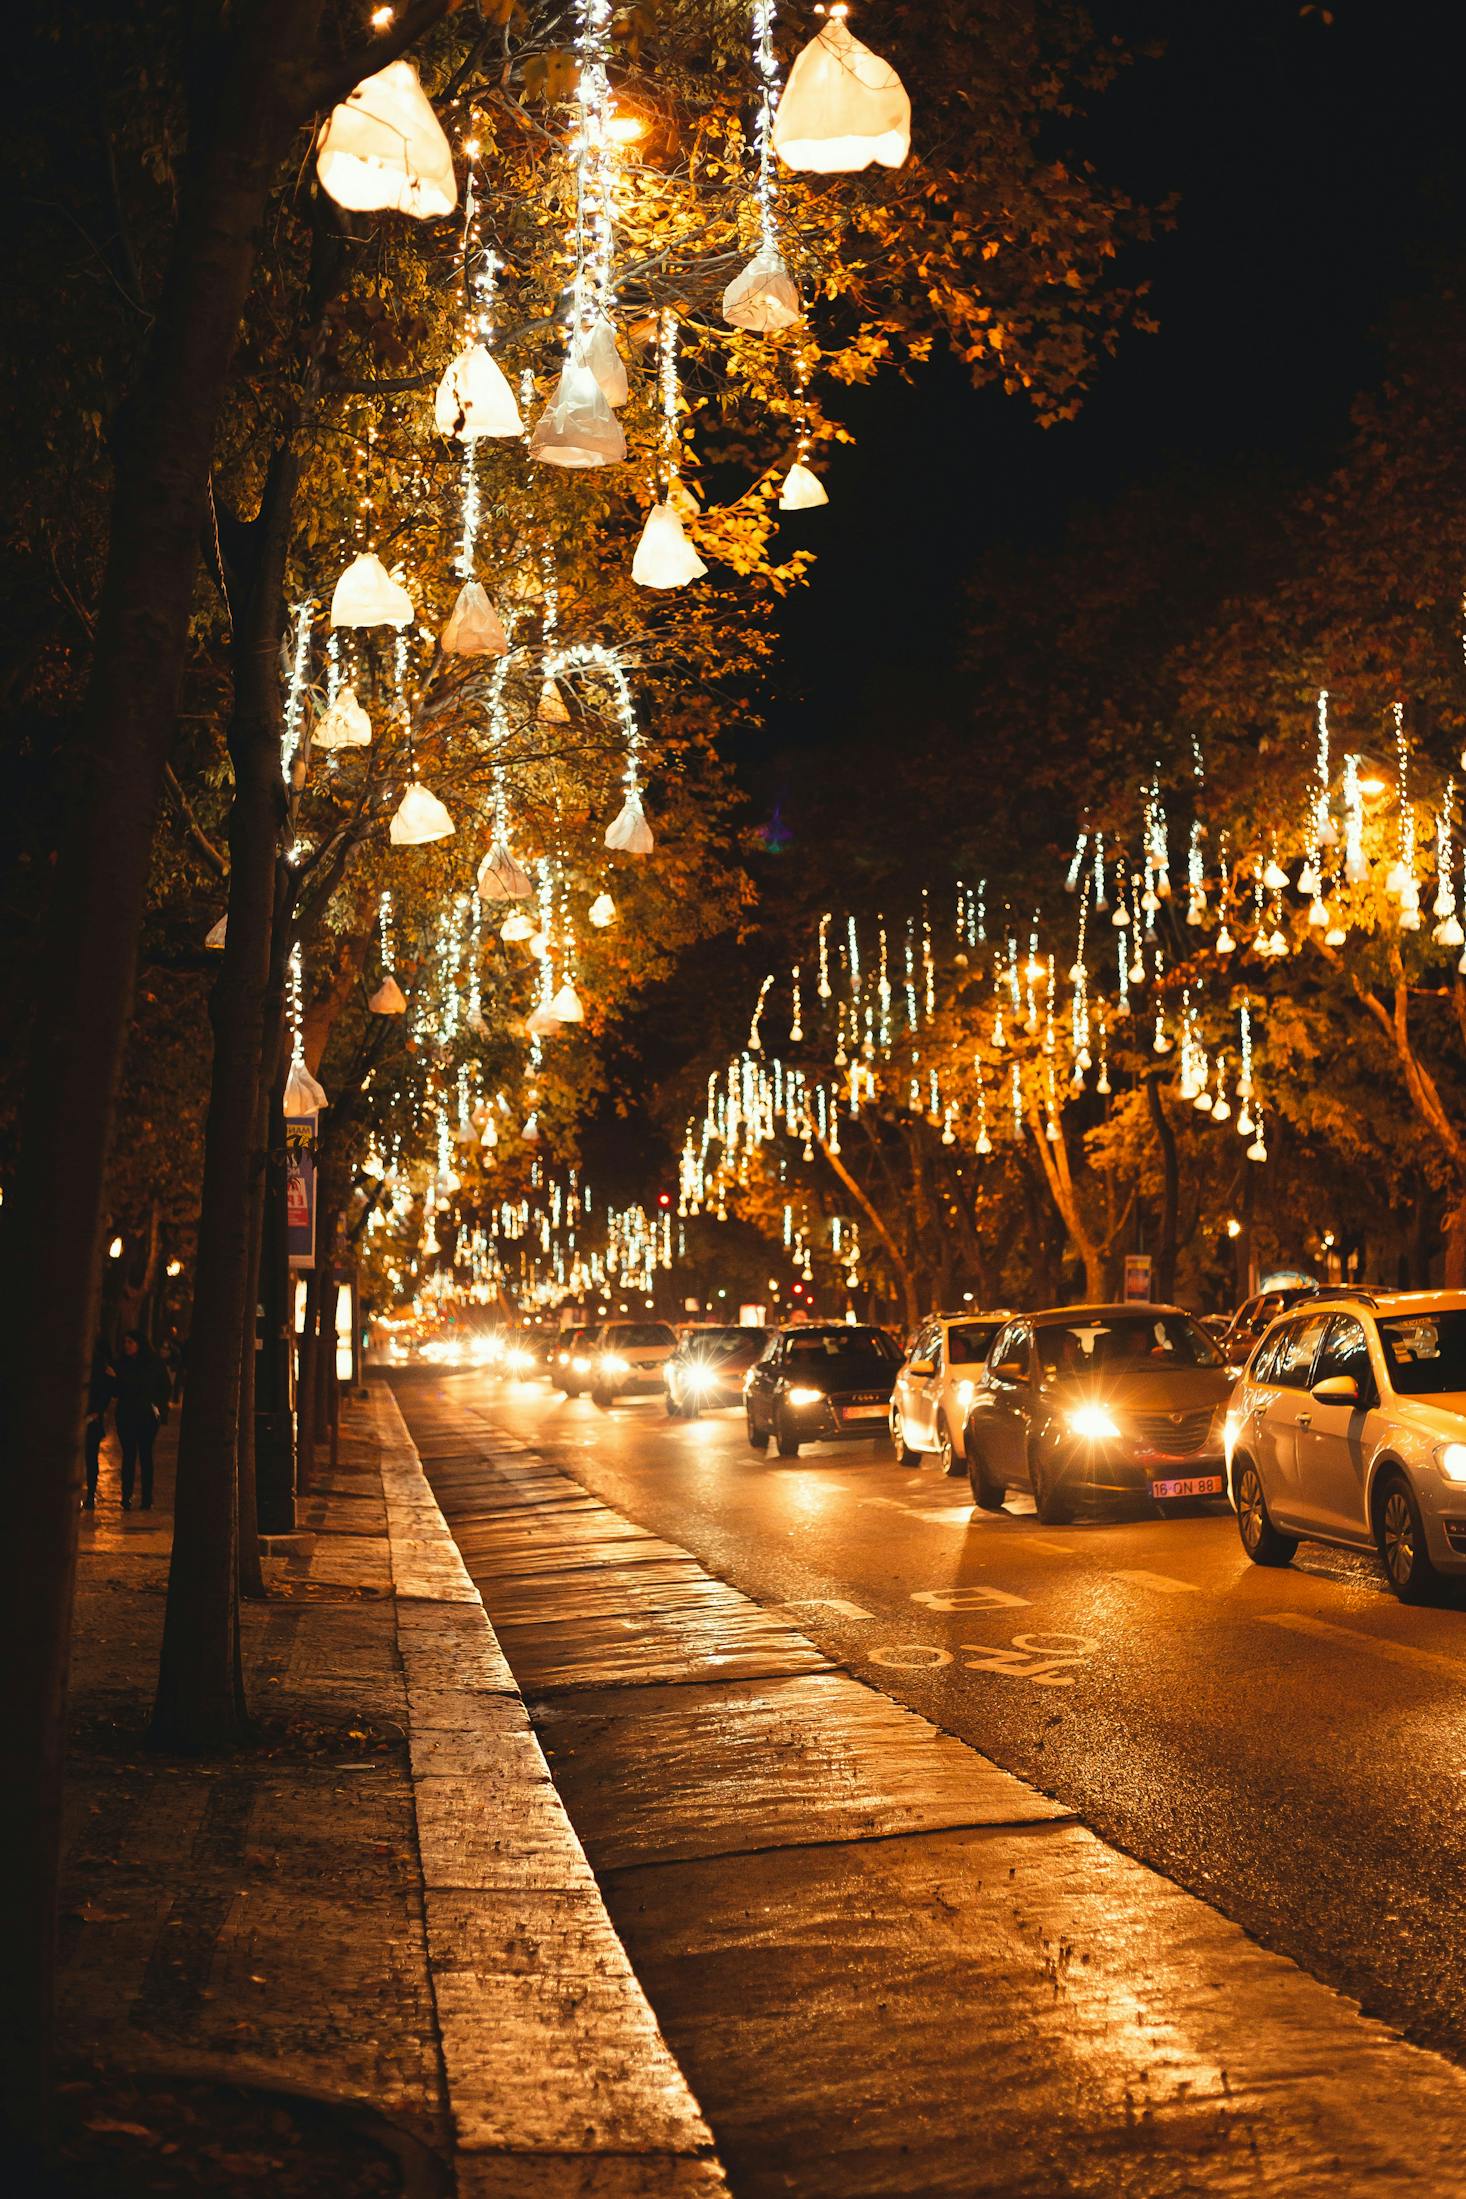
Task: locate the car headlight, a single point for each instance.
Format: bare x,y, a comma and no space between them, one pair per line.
613,1363
699,1377
1091,1422
520,1360
580,1366
802,1394
1451,1459
966,1391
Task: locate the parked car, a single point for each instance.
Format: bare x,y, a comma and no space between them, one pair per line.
1081,1398
1252,1320
936,1383
708,1369
628,1360
570,1362
1349,1427
817,1383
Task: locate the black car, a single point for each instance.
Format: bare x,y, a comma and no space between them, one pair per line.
570,1362
708,1368
815,1385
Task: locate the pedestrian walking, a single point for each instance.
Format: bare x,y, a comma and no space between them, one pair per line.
142,1393
101,1389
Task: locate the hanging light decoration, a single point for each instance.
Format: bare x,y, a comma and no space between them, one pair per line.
367,595
383,149
763,297
343,723
801,490
475,399
517,929
578,428
501,877
474,627
843,106
664,556
216,938
303,1094
602,911
418,818
388,999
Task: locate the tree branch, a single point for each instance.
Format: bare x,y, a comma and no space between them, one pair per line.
199,840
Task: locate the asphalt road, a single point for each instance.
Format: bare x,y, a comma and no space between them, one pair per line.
1289,1745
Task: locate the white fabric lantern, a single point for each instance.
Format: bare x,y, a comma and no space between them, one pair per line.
419,817
474,627
303,1096
843,106
217,935
763,297
517,928
664,556
565,1007
802,491
475,399
531,1131
544,1023
577,427
488,1136
388,999
501,878
344,724
383,149
630,834
367,595
601,354
551,708
602,911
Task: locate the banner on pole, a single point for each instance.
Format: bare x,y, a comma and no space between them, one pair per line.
300,1189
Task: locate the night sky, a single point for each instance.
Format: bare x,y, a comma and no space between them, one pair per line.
1319,173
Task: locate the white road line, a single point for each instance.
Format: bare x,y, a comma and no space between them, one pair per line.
1399,1653
1043,1542
825,1603
1165,1582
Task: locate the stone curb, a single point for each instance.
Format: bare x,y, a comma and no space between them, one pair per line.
560,2084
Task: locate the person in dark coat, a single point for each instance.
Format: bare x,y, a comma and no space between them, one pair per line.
101,1388
142,1395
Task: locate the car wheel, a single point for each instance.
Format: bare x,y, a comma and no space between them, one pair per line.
756,1442
691,1409
601,1397
1053,1498
786,1440
1400,1533
947,1456
905,1456
673,1408
987,1494
1260,1539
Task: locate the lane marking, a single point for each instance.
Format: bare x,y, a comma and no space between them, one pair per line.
965,1599
960,1518
826,1603
911,1656
1165,1582
1399,1653
1043,1542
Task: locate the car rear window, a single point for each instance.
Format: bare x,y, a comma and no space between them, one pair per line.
854,1355
1426,1352
969,1342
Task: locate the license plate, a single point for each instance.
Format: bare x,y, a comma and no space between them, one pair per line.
862,1412
1200,1485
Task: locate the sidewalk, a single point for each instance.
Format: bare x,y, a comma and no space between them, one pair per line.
887,1966
366,1956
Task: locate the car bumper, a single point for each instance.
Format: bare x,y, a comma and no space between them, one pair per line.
641,1382
826,1423
1118,1469
1443,1514
708,1396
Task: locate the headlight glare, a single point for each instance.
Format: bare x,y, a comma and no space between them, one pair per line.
1091,1422
802,1394
1451,1459
613,1363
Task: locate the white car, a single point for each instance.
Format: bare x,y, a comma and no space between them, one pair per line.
1349,1426
935,1386
628,1359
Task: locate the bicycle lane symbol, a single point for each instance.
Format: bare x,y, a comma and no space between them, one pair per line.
1045,1659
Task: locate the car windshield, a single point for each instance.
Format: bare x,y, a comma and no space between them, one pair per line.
1115,1342
968,1342
639,1335
862,1357
718,1343
1426,1352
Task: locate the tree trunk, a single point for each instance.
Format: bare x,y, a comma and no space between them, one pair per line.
1455,1242
1163,1281
251,1578
87,967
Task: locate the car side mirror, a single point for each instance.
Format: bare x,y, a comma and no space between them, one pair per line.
1337,1389
922,1367
1010,1370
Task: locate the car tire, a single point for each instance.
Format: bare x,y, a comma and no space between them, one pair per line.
691,1409
1263,1542
905,1456
674,1410
757,1442
948,1456
1399,1533
601,1397
987,1494
785,1440
1053,1498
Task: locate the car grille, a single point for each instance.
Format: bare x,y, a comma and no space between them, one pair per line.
1176,1434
